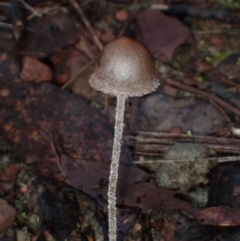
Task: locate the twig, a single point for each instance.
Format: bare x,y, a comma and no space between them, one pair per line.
87,24
27,6
151,135
218,159
6,25
159,6
220,76
34,12
233,76
220,110
39,12
205,95
80,72
150,149
155,143
213,31
17,19
82,45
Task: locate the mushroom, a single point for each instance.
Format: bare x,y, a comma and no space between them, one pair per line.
124,68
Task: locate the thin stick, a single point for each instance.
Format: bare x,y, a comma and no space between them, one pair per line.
159,6
204,95
82,45
221,110
155,144
27,6
221,77
6,25
80,72
218,159
112,220
87,24
213,31
154,137
34,12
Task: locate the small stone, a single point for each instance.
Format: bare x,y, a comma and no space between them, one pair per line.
122,16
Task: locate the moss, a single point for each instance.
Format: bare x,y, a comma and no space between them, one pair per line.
219,56
231,4
185,175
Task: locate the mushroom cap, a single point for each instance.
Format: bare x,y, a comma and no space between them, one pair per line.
124,67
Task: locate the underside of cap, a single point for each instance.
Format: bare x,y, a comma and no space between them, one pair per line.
111,87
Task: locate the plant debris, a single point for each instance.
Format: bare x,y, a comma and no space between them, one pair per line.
7,215
55,144
161,34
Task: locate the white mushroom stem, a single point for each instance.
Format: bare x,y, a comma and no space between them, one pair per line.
112,220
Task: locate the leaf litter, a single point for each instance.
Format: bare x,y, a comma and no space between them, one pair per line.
61,139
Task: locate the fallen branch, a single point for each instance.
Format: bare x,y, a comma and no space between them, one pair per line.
155,144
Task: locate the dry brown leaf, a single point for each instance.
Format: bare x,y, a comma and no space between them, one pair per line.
7,215
34,70
160,33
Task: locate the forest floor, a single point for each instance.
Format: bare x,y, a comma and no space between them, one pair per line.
179,172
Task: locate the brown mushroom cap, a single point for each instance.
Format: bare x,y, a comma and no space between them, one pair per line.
124,67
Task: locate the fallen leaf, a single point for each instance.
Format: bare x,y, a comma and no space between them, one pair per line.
49,34
34,70
7,215
160,33
61,213
70,63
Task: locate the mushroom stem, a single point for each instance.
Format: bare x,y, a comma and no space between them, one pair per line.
112,220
